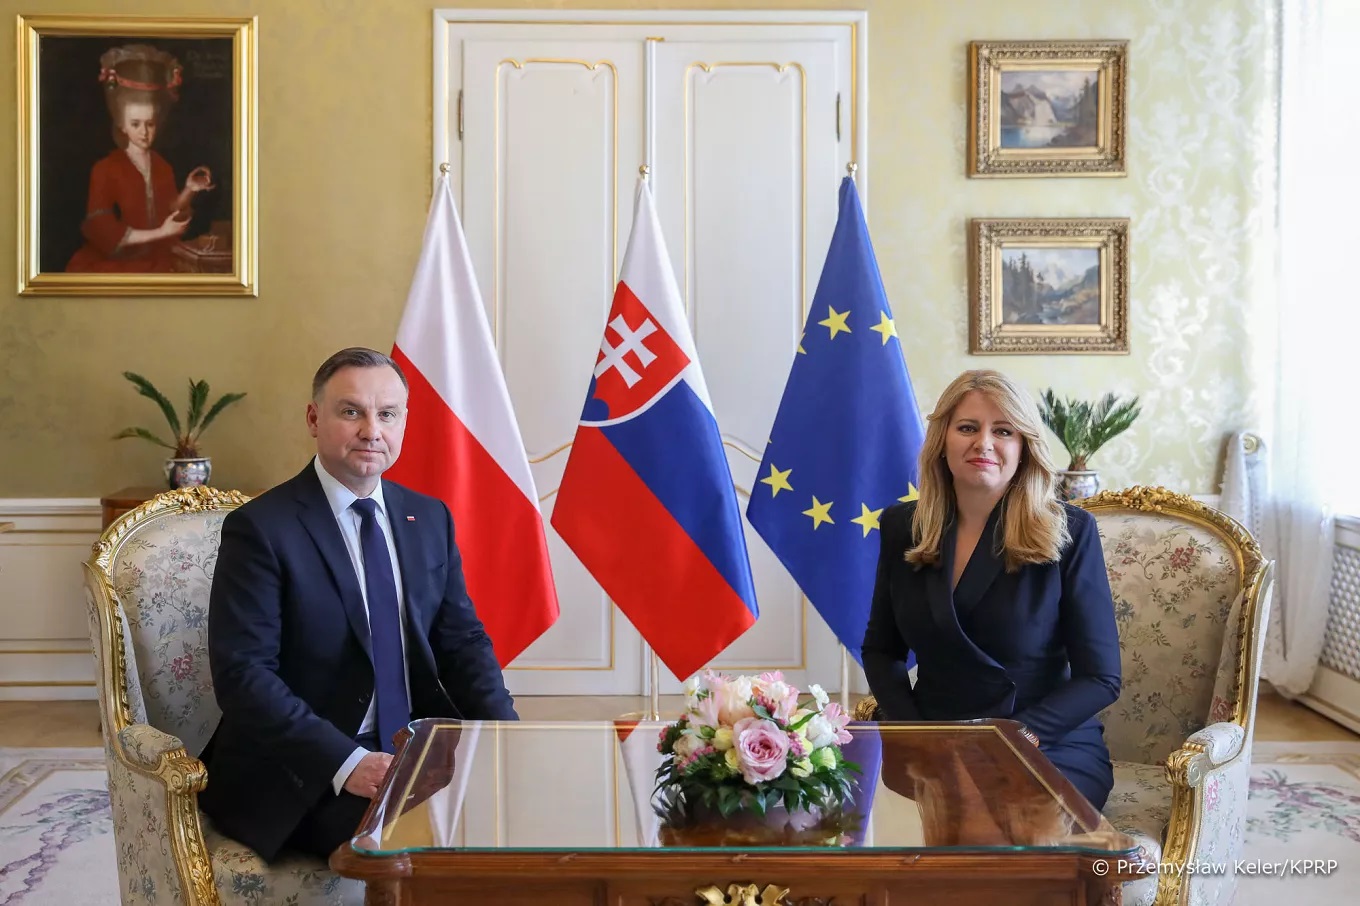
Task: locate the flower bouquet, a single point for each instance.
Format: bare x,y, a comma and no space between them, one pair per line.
748,764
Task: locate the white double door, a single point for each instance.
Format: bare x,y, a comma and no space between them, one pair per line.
747,127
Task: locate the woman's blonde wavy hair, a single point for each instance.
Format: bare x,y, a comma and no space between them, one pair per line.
1034,525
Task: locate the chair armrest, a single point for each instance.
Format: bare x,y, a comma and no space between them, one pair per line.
1212,747
1222,741
153,786
147,750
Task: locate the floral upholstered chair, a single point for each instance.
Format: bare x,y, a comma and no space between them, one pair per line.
1191,595
147,585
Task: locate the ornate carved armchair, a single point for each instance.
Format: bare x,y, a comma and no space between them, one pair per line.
1191,593
147,585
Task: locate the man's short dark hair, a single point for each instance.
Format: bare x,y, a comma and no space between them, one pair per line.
353,357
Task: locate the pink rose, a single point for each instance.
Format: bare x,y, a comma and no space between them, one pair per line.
762,749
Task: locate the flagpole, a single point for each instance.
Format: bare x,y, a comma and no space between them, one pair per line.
851,168
845,679
654,662
655,670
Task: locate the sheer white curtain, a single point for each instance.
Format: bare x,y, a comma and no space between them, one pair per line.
1314,416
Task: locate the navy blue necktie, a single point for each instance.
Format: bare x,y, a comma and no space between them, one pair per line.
384,625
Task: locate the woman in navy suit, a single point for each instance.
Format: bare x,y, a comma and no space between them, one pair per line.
998,587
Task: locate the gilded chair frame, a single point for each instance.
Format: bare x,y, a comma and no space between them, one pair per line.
1189,765
182,775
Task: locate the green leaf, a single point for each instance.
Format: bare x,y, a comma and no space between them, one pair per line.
144,435
727,801
762,712
1083,427
198,395
802,721
148,390
224,402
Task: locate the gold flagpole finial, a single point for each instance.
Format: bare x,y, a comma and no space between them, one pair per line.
444,168
645,170
851,169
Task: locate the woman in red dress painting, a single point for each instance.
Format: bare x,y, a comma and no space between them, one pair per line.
135,214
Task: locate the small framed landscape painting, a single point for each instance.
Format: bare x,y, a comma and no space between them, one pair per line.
1046,108
1048,286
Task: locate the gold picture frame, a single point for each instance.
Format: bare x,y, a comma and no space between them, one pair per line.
1046,108
137,156
1048,286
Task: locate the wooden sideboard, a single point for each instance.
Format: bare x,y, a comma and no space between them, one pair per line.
123,501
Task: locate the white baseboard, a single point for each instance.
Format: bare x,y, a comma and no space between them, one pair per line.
1335,695
44,633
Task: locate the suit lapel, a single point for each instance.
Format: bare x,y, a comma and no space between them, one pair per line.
415,569
942,603
983,567
314,511
937,586
410,553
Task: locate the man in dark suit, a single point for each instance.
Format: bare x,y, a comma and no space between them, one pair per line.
338,614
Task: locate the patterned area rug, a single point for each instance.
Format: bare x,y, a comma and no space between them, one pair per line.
56,832
56,835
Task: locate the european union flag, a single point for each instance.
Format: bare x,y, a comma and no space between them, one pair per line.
846,439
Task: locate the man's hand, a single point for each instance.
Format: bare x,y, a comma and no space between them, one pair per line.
367,774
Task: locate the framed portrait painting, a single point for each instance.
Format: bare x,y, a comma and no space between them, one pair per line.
137,156
1049,286
1046,108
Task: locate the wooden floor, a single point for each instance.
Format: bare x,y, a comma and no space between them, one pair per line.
70,724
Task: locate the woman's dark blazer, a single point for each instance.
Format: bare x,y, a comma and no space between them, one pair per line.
1038,645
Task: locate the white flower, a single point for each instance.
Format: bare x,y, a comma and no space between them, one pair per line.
736,701
820,732
687,745
819,695
776,692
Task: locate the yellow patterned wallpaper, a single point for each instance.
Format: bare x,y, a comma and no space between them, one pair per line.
344,161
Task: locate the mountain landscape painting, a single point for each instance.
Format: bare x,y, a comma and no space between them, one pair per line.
1051,286
1049,108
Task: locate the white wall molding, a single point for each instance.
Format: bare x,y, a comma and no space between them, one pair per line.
44,642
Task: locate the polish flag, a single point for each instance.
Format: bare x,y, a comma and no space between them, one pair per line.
462,441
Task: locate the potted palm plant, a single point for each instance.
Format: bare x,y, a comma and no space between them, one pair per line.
187,466
1083,428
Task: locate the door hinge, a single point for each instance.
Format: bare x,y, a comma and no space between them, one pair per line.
460,115
838,118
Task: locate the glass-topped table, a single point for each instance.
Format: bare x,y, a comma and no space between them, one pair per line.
536,812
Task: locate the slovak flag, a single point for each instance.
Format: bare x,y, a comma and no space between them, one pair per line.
646,501
462,441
